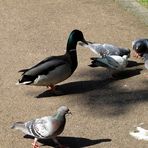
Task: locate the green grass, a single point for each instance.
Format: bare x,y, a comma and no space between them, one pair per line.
143,2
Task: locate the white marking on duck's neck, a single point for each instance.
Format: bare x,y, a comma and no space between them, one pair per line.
72,50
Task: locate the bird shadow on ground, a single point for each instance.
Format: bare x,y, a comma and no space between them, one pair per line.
127,74
115,102
71,142
133,64
78,87
109,96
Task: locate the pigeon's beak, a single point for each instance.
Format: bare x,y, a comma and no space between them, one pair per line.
69,113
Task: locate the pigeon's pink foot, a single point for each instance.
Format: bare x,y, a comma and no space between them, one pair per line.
35,145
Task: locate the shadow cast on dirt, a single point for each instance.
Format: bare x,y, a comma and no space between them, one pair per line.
115,102
72,142
133,64
78,87
105,95
127,74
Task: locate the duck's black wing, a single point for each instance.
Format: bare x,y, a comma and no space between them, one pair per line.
42,68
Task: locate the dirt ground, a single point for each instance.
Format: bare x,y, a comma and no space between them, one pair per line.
104,109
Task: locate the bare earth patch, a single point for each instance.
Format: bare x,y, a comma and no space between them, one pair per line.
104,109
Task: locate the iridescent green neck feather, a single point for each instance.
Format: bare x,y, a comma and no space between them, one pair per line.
59,116
71,51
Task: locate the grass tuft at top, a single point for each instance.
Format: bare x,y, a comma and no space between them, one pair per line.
143,2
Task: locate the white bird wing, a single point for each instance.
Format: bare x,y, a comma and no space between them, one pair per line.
112,61
140,134
111,49
41,127
116,62
96,48
46,127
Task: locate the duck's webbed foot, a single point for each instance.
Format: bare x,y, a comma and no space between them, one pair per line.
53,89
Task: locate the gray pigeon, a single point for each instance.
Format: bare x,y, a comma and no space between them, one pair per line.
140,46
113,62
106,49
45,127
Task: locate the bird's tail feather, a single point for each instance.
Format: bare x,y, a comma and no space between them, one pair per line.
23,70
96,62
23,83
26,80
20,126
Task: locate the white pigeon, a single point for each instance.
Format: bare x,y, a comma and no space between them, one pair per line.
114,62
140,134
45,127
